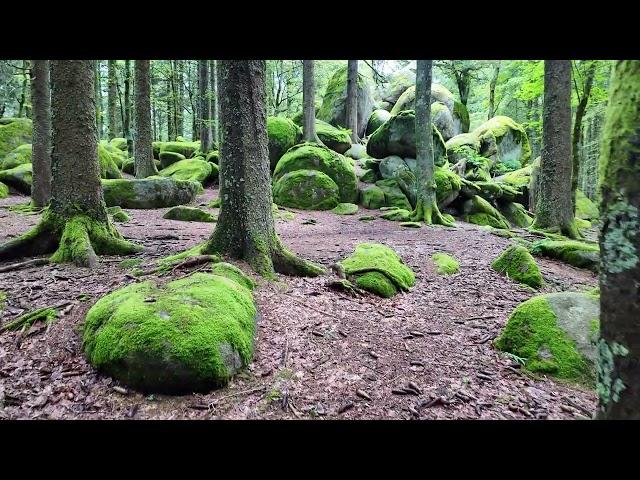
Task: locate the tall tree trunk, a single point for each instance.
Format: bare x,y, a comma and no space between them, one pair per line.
352,99
143,149
553,206
127,106
308,101
98,88
76,221
171,126
426,206
112,95
41,154
215,108
23,89
205,114
492,91
210,104
245,227
577,129
619,345
463,79
179,72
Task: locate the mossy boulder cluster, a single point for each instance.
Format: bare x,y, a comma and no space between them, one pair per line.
555,334
192,169
378,269
283,134
151,192
189,335
517,263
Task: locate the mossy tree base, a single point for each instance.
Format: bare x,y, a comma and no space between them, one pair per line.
568,230
429,213
78,239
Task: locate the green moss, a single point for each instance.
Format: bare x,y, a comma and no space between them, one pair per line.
578,254
4,190
345,209
20,178
461,112
397,215
336,138
213,157
17,156
169,158
517,263
13,133
195,335
494,130
377,118
516,214
150,192
119,143
118,214
448,184
232,272
479,211
377,283
368,176
3,300
410,224
393,195
189,214
108,166
446,264
214,203
188,149
172,260
582,224
519,178
311,156
374,257
366,218
130,263
533,334
372,197
585,208
189,170
306,189
283,134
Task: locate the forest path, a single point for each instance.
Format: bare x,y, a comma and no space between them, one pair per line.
318,353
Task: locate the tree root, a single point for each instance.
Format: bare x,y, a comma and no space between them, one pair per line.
287,263
48,314
430,214
28,263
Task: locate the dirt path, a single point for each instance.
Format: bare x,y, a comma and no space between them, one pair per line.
318,353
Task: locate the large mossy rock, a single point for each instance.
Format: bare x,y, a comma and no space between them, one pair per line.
397,136
151,192
20,178
189,214
378,269
578,254
283,134
443,120
120,143
398,83
13,133
189,335
555,334
393,194
377,118
517,263
585,208
336,138
17,156
306,190
169,158
516,214
192,169
505,142
479,211
334,102
108,164
310,156
188,149
357,151
117,155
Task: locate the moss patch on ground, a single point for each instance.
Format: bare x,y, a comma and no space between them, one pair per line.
189,214
345,209
517,263
578,254
446,264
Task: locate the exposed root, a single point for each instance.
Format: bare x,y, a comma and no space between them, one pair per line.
287,263
430,214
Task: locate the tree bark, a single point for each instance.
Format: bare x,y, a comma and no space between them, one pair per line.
308,101
215,108
352,99
245,227
463,79
143,149
41,148
75,225
112,95
98,88
554,210
171,126
205,114
23,90
577,129
179,72
126,124
619,344
426,206
492,91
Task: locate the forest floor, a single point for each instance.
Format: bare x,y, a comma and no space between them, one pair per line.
319,353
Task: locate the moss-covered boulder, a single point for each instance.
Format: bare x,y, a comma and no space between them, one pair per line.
372,197
169,158
397,136
189,335
479,211
108,166
397,215
118,156
306,189
310,156
399,82
190,169
189,214
17,156
118,214
516,214
393,194
585,208
357,151
334,101
19,177
4,190
119,143
462,140
213,157
337,139
578,254
505,142
377,118
378,269
151,192
443,120
555,334
517,263
445,264
234,273
448,186
13,133
188,149
283,134
345,209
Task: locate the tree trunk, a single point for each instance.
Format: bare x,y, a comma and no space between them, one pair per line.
112,99
98,88
179,72
203,84
463,79
127,106
41,143
352,100
308,101
76,221
554,210
210,105
171,126
215,108
245,227
577,129
492,91
23,89
143,149
619,345
426,206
